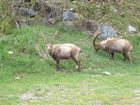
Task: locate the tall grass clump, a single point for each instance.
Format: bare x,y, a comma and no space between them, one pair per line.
5,18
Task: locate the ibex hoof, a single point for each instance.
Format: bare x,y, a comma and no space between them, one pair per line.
130,62
77,68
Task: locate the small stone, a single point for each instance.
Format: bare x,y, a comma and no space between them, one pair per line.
68,15
107,73
17,78
74,2
131,29
10,52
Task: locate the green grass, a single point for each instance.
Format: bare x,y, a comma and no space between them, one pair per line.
67,87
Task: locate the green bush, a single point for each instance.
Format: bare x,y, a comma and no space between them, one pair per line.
5,19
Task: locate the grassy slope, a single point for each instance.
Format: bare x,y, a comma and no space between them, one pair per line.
67,87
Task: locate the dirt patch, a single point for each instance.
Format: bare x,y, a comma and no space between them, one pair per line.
137,92
28,96
132,100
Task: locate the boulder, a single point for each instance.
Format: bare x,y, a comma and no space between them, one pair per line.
26,12
68,15
107,31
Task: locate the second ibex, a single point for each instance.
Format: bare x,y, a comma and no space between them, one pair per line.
112,45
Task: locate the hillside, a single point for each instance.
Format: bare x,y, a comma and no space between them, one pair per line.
24,74
28,79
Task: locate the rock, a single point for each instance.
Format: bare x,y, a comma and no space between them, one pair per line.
74,2
131,29
10,52
26,12
17,78
107,73
68,15
107,31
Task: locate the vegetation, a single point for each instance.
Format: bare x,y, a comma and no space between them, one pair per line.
28,79
118,15
24,72
5,20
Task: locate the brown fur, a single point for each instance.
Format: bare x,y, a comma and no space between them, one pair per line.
112,45
64,51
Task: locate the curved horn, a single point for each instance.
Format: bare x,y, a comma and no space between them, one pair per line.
95,37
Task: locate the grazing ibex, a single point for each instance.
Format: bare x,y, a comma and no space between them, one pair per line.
112,45
64,51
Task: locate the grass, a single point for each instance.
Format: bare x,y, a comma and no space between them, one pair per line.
25,72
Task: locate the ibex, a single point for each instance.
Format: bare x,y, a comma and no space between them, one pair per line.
64,51
112,45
